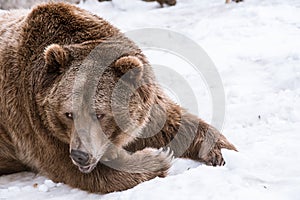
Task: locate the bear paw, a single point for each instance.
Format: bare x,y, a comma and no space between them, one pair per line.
213,158
210,150
155,160
111,153
150,162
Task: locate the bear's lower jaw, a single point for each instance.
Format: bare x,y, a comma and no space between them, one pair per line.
87,169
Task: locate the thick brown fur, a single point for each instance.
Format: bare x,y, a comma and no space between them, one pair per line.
41,56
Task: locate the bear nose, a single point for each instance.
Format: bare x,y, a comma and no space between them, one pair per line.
80,157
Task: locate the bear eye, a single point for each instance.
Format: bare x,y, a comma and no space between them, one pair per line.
97,116
69,115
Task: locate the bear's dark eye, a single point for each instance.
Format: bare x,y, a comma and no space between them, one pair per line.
100,116
97,116
69,115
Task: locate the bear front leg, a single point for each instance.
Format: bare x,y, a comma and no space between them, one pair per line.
148,161
9,166
8,160
207,145
193,138
187,135
123,172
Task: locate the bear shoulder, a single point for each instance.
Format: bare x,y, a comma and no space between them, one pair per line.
63,24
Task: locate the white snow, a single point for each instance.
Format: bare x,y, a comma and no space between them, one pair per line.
255,46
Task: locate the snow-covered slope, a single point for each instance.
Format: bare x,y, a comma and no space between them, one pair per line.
255,46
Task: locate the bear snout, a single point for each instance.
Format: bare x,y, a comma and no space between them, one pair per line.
84,161
79,157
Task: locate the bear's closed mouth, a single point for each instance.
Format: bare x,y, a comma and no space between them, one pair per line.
87,169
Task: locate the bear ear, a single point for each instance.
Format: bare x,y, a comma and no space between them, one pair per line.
131,68
55,58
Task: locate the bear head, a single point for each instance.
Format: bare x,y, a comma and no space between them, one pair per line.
94,95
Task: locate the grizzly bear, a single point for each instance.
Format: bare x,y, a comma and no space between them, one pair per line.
162,2
79,104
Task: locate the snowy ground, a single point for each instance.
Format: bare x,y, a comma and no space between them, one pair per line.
256,48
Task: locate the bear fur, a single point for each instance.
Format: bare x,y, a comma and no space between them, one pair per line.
58,120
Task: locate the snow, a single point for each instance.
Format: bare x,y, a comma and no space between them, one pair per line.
255,46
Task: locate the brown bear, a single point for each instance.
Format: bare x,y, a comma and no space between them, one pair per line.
162,2
77,104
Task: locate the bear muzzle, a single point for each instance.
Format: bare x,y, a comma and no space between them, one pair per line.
83,161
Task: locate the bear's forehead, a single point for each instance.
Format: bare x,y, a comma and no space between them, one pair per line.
71,105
